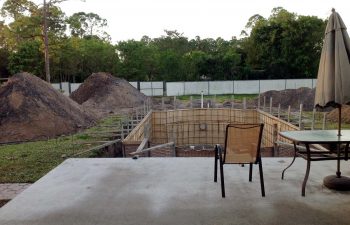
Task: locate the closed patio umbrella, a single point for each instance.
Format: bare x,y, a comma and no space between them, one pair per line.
333,78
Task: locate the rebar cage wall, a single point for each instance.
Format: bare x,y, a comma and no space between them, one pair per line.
188,127
197,126
272,127
139,132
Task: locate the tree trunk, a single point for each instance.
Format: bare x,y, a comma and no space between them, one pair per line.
46,44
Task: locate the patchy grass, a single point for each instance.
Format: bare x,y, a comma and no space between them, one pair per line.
27,162
329,125
307,120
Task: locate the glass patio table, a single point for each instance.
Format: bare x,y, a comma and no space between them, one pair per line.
310,137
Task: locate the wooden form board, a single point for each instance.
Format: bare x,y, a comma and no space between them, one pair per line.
272,126
138,133
196,126
204,126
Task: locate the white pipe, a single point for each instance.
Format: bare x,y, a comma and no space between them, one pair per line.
202,99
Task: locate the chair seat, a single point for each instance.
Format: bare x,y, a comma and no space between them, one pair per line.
240,158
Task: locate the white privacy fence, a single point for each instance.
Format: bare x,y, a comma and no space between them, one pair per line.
160,88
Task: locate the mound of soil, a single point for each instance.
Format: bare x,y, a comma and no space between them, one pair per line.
105,94
345,114
290,97
31,109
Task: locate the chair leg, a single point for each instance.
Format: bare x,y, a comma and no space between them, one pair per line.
222,176
250,171
261,178
216,165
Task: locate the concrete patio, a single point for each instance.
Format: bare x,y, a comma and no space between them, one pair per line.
177,191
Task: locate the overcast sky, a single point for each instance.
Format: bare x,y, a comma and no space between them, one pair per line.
131,19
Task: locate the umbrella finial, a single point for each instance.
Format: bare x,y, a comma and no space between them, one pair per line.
333,10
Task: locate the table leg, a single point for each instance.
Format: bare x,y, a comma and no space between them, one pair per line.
338,173
307,170
295,155
346,151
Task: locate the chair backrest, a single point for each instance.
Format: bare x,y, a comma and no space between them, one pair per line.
242,143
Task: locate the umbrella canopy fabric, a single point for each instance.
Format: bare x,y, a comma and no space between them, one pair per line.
333,78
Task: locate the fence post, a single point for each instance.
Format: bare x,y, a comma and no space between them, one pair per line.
244,103
324,121
185,92
164,88
271,105
279,111
191,104
264,103
208,88
201,99
259,102
288,115
313,119
214,102
174,102
152,93
300,117
232,101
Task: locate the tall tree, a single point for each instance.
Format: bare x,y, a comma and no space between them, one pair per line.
27,58
138,60
284,45
84,24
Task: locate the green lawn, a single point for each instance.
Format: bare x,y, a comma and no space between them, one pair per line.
27,162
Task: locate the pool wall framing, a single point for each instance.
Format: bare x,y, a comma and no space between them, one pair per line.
204,127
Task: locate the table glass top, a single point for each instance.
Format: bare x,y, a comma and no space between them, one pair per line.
317,136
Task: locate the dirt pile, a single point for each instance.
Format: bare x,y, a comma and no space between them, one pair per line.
105,94
31,109
345,114
290,97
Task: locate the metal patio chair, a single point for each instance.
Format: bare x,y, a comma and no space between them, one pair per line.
242,146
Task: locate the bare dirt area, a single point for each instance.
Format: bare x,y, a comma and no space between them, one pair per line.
291,97
105,94
345,113
31,109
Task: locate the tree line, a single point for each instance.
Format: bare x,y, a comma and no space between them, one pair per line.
284,45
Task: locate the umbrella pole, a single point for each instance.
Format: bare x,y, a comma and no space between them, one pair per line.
338,145
339,121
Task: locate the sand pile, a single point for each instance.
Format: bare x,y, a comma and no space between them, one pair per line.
290,97
105,94
31,109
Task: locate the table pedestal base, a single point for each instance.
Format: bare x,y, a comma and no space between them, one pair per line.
341,183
